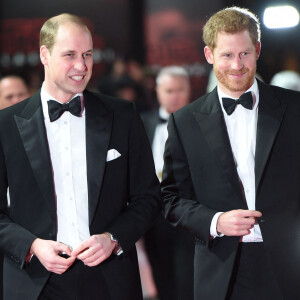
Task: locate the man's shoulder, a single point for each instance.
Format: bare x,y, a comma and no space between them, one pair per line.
282,96
281,92
149,116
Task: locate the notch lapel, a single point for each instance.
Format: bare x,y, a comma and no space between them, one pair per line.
98,132
211,120
32,130
270,114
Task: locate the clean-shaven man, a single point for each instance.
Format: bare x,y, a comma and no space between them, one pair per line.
81,178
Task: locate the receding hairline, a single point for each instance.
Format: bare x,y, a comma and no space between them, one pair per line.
172,71
49,30
15,77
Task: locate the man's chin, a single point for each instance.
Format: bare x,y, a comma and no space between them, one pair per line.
239,87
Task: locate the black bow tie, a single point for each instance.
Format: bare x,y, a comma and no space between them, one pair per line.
245,100
56,109
162,120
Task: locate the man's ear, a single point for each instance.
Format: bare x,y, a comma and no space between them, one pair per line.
44,52
208,55
257,50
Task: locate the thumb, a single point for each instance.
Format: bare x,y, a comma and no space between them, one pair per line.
79,249
64,248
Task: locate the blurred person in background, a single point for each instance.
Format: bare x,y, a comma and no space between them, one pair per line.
170,249
127,80
287,79
13,89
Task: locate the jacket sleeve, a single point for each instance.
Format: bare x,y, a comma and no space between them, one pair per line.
180,205
15,240
144,202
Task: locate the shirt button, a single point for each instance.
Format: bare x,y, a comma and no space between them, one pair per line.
65,122
67,173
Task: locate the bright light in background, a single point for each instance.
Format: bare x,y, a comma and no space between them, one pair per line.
281,17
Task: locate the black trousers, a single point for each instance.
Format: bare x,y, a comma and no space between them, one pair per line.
253,277
79,282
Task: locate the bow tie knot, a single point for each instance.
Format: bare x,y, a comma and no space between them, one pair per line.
162,120
56,109
245,100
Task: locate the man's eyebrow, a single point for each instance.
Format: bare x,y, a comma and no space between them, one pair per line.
74,51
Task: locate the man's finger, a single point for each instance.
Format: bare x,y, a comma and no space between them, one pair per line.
250,213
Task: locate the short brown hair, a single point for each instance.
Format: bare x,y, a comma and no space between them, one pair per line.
231,20
49,29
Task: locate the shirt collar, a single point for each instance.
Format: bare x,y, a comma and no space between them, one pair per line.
253,89
163,113
45,97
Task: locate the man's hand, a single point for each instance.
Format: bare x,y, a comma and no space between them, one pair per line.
94,250
237,222
48,254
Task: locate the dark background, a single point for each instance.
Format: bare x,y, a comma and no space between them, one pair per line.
152,32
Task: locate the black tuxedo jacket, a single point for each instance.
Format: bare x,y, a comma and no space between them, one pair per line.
200,179
124,195
150,121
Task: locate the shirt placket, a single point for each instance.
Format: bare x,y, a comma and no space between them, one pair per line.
69,196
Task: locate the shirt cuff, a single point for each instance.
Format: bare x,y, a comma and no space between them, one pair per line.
28,258
213,226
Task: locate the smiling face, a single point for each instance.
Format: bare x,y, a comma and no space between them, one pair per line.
234,61
68,66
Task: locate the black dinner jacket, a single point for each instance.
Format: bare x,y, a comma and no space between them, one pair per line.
150,121
200,179
123,193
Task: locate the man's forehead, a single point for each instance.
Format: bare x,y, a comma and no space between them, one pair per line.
65,28
11,82
73,40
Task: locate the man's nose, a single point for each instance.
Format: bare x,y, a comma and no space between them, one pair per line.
237,64
80,64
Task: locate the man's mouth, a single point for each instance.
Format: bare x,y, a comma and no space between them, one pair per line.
77,78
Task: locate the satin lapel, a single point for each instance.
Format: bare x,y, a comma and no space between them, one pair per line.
32,130
98,131
270,114
154,121
211,120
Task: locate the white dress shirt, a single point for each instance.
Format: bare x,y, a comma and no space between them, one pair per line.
241,127
67,145
159,140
